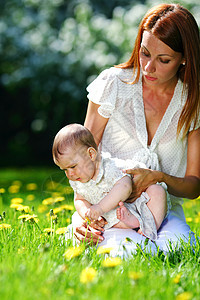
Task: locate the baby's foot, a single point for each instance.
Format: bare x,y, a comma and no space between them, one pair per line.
125,216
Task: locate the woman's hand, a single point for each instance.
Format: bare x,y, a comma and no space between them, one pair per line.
91,233
142,179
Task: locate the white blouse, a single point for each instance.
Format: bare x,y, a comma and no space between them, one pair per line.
125,135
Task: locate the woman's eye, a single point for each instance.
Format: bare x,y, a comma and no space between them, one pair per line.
145,53
164,61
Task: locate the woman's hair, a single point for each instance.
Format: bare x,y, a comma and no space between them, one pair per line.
71,136
176,27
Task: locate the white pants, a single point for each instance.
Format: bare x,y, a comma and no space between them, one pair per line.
172,232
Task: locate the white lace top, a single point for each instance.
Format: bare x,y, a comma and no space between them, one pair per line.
125,135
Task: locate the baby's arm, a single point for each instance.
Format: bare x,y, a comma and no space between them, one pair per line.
120,192
81,205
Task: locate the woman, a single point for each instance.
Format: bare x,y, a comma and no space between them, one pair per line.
148,109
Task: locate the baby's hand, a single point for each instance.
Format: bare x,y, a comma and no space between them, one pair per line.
94,212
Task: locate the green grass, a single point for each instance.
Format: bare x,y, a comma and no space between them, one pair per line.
33,264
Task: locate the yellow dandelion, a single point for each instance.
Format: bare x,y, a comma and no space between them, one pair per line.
73,252
184,296
30,197
31,186
24,208
17,200
68,220
42,208
57,210
135,275
48,230
61,230
112,262
197,220
16,205
32,217
13,189
4,226
59,199
104,250
88,275
177,278
67,207
23,217
189,220
48,201
2,190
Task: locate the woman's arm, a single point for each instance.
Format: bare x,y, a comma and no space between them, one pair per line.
186,187
95,122
120,192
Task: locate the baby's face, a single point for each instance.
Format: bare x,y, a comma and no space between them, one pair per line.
77,164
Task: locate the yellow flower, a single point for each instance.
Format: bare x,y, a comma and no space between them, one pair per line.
23,208
59,199
30,197
17,200
112,262
13,189
17,182
177,278
48,201
73,252
67,207
61,230
23,217
184,296
104,250
48,230
197,220
135,275
189,220
4,226
15,205
31,186
88,275
2,190
57,210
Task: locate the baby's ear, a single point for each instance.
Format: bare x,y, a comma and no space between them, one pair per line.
92,153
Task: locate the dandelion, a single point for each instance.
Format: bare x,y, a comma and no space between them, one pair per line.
48,201
16,205
88,275
184,296
30,197
23,217
112,262
57,210
48,230
67,207
197,220
4,226
2,190
13,189
73,252
61,230
17,182
31,186
42,208
189,220
135,275
104,250
59,199
17,200
23,208
177,278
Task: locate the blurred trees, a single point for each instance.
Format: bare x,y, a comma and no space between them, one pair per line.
49,52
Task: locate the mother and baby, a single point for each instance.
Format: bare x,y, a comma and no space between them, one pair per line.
146,114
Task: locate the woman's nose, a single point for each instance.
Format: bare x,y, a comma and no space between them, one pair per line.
150,66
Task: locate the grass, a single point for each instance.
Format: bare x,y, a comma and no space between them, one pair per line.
35,264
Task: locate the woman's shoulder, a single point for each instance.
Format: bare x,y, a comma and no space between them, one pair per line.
120,73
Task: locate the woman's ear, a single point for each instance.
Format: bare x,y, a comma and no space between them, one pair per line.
92,153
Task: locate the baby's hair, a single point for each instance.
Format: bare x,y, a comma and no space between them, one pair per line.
71,136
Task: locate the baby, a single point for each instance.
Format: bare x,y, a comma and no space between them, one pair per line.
101,188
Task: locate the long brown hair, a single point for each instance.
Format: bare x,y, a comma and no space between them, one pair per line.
176,27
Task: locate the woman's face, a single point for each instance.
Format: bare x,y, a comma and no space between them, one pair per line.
159,63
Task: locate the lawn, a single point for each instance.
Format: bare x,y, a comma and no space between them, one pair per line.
36,262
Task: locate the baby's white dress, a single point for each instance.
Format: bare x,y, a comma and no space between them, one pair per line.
109,173
126,137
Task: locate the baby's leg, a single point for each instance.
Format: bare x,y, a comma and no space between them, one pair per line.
157,203
127,219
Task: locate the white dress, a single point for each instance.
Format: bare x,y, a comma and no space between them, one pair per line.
95,190
125,137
